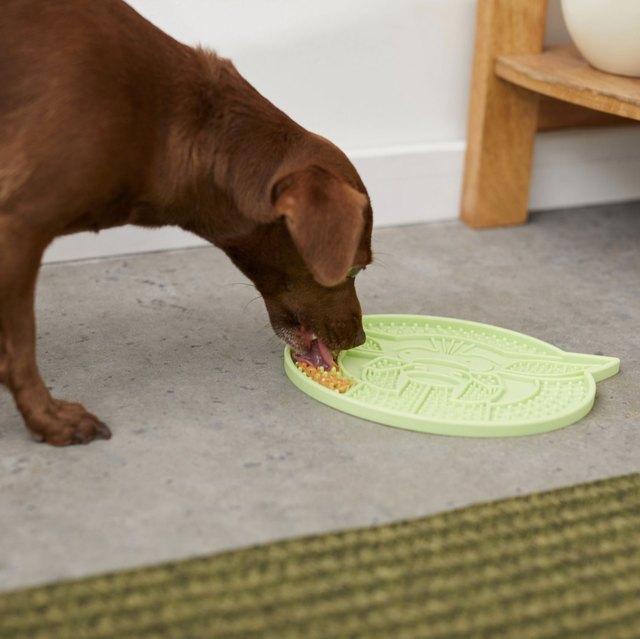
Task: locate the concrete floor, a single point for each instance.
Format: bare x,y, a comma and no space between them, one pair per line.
214,449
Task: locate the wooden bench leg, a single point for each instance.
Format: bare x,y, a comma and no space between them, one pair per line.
502,117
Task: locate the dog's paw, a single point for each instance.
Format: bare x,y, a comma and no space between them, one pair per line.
65,423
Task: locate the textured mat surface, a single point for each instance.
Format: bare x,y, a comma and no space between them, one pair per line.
560,564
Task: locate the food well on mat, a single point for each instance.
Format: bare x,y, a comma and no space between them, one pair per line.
331,379
318,363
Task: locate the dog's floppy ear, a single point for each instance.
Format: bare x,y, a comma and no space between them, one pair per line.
325,217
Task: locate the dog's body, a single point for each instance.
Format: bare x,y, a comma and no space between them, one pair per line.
106,121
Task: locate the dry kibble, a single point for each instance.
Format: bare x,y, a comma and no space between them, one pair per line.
331,379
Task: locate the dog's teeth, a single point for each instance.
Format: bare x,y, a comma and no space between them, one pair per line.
314,336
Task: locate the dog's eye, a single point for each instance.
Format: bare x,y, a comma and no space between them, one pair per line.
354,271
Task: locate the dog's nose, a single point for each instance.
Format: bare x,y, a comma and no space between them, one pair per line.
360,338
345,335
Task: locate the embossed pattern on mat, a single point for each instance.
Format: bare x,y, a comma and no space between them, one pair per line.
562,564
456,377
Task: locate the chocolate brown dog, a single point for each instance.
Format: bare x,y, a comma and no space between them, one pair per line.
105,121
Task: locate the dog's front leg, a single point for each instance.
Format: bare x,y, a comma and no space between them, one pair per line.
54,421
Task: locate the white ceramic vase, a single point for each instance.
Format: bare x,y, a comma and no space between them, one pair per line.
606,32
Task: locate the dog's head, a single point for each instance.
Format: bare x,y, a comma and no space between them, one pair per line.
304,259
285,204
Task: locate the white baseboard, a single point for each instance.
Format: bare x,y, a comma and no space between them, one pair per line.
422,184
571,168
123,240
583,167
408,185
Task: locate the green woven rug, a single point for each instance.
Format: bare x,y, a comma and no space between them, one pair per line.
560,564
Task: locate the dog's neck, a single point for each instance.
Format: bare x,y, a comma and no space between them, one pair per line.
226,145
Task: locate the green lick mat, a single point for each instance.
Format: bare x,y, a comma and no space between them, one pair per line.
562,565
454,377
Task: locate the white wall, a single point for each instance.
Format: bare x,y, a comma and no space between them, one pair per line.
389,83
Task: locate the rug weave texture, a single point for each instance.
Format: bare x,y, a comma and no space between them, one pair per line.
562,564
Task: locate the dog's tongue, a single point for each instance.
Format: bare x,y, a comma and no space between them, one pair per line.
318,355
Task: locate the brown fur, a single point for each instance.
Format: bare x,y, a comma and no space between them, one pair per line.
105,121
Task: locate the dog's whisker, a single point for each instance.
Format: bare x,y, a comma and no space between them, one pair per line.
380,262
258,297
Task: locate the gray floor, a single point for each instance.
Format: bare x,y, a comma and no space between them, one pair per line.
214,449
